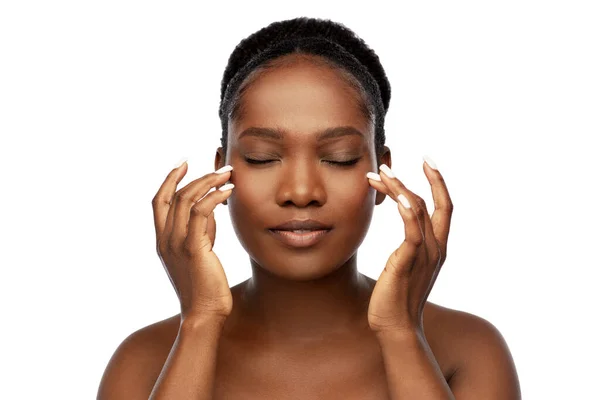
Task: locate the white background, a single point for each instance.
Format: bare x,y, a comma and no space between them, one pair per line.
98,100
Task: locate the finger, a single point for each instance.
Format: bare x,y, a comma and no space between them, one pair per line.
430,250
378,184
431,245
375,181
402,260
161,202
396,188
442,214
211,227
198,236
405,255
413,233
185,199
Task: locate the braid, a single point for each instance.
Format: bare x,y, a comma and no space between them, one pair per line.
340,47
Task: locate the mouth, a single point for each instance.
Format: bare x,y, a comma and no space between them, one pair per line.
300,238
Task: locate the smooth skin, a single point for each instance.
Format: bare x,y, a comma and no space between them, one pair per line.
185,235
305,324
402,289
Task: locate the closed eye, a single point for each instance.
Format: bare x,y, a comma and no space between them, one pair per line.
349,162
341,163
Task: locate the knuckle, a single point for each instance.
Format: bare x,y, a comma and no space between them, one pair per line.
195,210
418,240
189,196
171,245
198,210
419,200
158,200
184,196
420,210
421,204
188,249
162,247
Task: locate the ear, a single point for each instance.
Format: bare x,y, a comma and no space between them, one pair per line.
220,162
219,158
386,158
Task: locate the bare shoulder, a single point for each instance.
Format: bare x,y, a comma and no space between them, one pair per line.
464,329
484,367
456,322
137,362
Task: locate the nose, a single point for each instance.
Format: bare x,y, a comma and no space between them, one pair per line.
300,184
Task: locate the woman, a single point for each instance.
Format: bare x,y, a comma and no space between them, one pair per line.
302,108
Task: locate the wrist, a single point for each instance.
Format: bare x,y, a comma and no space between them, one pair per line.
202,322
403,334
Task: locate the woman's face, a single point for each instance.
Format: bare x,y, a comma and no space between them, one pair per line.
300,182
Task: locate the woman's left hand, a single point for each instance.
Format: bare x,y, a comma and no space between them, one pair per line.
402,289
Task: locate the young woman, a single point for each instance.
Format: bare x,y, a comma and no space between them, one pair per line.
303,103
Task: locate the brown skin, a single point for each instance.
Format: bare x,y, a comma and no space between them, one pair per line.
307,293
299,325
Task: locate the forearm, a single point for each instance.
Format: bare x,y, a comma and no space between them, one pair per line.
189,371
411,368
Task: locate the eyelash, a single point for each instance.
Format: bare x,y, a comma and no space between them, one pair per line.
338,163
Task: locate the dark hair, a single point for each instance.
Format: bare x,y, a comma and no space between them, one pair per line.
335,44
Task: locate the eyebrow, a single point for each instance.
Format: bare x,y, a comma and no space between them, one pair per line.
278,134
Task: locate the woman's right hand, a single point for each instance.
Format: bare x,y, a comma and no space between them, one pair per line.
185,235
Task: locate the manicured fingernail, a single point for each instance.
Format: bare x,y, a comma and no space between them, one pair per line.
374,176
224,169
404,201
386,170
180,163
227,186
430,162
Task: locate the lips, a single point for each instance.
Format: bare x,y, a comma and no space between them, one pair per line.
302,225
299,239
301,233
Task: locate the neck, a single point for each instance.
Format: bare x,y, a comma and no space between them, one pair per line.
283,309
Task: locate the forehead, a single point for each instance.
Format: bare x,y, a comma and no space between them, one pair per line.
300,97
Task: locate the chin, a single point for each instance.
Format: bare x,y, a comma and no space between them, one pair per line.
306,264
296,270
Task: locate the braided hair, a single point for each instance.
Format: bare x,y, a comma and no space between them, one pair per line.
335,44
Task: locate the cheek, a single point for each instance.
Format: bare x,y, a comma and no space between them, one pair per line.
354,200
248,199
353,191
354,203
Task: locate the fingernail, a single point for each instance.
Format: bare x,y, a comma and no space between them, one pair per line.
224,169
386,170
404,201
226,187
430,162
374,176
180,163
